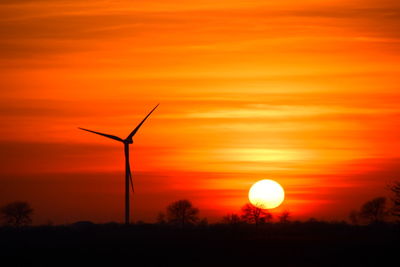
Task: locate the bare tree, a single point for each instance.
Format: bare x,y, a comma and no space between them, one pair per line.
284,217
255,215
354,217
266,218
161,218
17,213
182,213
374,211
395,188
231,219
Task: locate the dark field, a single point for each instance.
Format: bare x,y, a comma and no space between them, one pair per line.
293,244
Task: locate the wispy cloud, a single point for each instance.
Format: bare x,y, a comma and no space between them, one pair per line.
78,27
249,90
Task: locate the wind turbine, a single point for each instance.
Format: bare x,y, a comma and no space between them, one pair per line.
128,175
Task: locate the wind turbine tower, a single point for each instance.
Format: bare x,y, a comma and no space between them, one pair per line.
128,175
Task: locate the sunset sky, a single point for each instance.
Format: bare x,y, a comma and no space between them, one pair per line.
303,92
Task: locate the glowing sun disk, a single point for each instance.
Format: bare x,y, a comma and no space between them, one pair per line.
266,194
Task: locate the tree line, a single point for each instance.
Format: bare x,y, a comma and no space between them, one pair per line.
182,213
379,209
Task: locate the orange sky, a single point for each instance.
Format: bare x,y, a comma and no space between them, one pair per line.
304,93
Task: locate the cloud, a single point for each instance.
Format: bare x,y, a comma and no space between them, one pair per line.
49,33
42,157
378,21
78,27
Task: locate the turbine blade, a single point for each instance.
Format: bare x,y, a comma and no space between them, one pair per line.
140,124
103,134
130,177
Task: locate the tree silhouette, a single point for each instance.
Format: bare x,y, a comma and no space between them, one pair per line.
266,218
17,213
203,222
161,218
284,217
395,188
374,211
182,213
231,219
354,217
254,215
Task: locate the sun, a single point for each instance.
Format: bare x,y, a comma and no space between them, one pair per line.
266,194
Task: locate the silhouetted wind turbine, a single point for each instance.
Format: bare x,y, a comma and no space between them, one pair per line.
128,174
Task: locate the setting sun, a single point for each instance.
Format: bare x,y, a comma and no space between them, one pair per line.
266,194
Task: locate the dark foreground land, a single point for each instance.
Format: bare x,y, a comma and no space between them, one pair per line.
293,244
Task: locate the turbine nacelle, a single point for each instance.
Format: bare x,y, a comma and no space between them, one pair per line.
128,141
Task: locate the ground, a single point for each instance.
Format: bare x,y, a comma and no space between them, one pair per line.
293,244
